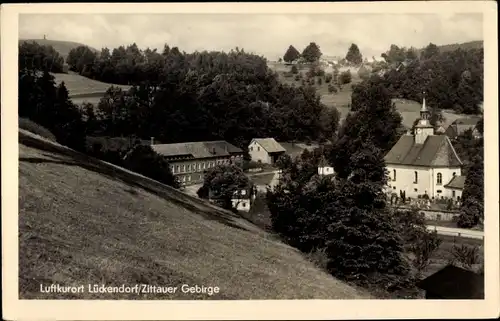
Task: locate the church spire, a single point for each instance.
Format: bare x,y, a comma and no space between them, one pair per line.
424,128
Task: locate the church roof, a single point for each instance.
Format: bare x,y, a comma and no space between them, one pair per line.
436,151
456,182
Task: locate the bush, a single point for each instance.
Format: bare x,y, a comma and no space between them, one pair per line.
294,70
320,81
332,89
297,77
32,127
328,78
345,77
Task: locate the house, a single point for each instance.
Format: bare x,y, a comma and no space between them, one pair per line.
459,126
421,162
455,188
265,150
453,283
325,169
188,161
242,198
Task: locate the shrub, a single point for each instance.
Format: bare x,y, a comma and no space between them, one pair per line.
294,70
332,89
345,77
328,78
297,77
320,81
32,127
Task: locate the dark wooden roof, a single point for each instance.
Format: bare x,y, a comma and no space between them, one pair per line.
456,182
197,149
437,151
453,282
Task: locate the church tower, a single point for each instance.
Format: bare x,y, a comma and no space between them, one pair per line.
424,128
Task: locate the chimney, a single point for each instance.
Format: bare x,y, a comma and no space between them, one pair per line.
152,140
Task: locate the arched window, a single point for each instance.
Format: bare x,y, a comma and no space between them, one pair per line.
393,174
416,178
454,174
439,178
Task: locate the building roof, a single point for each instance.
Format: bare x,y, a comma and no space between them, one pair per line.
456,182
453,282
270,145
460,125
323,162
436,151
296,149
197,149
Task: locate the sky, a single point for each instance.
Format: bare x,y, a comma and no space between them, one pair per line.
264,34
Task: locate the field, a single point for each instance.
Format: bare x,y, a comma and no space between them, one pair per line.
409,110
81,88
84,221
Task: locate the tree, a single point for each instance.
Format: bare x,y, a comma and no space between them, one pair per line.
291,54
312,52
144,160
472,208
395,55
345,77
81,59
430,51
373,118
33,56
354,55
221,182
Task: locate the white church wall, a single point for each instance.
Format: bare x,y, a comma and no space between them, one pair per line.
405,177
438,190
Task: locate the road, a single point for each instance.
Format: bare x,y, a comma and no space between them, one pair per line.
473,234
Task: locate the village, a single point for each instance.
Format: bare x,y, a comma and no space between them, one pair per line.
343,171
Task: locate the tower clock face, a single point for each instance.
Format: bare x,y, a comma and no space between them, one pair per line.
419,130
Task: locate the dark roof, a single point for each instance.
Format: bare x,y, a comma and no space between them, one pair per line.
296,149
262,179
270,145
457,182
437,150
453,282
197,149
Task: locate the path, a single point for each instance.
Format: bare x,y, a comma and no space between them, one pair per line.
453,231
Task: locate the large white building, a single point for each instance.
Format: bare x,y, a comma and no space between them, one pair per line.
424,163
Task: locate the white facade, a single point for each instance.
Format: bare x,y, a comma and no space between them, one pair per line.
241,204
416,181
325,170
258,153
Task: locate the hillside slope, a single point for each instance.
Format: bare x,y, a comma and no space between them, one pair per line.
83,221
63,47
84,89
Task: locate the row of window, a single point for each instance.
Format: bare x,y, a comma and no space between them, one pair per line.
439,177
188,168
258,148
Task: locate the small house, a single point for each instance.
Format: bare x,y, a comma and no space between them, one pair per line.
453,283
324,168
265,150
459,126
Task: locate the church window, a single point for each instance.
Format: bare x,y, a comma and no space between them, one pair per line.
453,193
439,178
454,174
415,181
393,174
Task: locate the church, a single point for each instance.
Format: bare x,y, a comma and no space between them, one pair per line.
424,163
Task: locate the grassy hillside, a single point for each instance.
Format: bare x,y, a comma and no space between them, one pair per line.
63,47
83,89
84,221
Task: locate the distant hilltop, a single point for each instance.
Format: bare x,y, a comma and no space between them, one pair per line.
62,47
